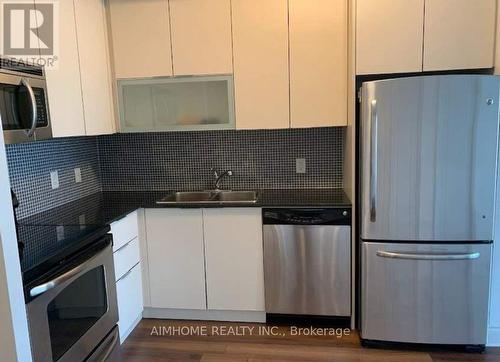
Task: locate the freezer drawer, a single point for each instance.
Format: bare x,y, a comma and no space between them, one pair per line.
419,293
307,269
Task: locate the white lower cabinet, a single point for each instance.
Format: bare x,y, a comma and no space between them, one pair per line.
234,260
176,258
127,263
205,261
129,295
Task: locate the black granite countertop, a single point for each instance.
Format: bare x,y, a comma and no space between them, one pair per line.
67,227
103,208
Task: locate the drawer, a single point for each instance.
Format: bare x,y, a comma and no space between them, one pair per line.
124,230
129,297
126,257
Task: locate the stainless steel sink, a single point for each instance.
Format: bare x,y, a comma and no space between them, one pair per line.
210,197
238,196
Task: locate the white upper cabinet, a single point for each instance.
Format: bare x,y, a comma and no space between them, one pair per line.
318,63
141,38
234,259
63,82
394,36
459,34
94,66
389,36
201,37
260,51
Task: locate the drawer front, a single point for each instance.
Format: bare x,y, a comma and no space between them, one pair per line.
126,257
124,230
129,295
425,293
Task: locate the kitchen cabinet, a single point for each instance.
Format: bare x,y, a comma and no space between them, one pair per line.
141,38
395,36
176,258
128,276
129,295
260,53
94,66
318,63
205,259
459,34
389,36
63,83
234,260
174,104
201,37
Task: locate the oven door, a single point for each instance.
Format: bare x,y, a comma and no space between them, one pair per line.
23,109
72,313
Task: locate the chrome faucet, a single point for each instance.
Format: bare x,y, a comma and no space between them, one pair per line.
218,176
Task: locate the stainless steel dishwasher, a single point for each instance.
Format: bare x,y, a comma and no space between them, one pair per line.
307,261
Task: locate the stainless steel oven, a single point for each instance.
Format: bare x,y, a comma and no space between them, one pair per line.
24,107
73,313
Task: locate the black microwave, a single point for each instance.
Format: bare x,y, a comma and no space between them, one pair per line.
24,107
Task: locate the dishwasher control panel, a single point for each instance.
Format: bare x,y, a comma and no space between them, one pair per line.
306,216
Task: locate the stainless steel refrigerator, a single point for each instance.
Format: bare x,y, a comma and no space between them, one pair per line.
428,157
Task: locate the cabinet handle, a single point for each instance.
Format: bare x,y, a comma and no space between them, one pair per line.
124,276
124,246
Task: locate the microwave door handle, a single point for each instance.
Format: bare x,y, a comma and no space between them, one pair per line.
427,256
373,159
45,287
31,93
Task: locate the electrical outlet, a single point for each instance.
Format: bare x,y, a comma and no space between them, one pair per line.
78,175
300,165
54,179
59,232
81,221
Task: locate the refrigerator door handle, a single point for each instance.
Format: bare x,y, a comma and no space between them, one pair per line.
373,159
427,256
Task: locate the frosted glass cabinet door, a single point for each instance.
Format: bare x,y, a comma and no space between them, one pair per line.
176,104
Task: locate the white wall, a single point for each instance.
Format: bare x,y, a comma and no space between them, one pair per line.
14,336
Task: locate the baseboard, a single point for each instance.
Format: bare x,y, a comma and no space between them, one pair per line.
207,315
124,336
493,337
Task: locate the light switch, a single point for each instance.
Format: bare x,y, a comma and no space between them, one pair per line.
300,165
54,179
78,175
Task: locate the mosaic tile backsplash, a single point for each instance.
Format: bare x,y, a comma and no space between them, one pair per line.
259,159
30,165
175,160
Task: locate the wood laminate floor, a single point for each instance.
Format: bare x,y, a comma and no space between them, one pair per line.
167,340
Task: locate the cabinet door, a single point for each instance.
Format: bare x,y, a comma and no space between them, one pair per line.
129,298
201,36
318,63
63,82
176,258
141,38
94,66
235,272
389,36
260,51
459,34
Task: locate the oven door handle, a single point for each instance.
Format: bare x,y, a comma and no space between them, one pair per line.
25,83
45,287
